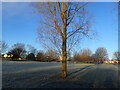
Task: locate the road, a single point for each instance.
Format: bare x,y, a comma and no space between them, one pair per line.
30,74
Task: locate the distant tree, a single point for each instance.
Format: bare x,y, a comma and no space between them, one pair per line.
94,58
30,56
41,56
76,57
116,55
69,56
85,55
52,54
3,47
101,54
86,52
31,49
18,50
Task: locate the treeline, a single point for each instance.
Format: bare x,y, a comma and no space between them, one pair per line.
100,55
22,51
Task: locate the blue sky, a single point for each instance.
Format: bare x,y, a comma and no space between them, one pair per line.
20,24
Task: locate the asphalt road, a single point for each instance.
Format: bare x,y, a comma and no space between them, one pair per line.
29,74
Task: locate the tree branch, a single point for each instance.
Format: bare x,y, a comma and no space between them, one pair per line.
76,31
75,11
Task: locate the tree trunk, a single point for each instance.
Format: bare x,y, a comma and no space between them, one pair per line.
64,58
64,48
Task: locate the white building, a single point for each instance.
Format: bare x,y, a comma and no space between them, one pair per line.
111,61
7,56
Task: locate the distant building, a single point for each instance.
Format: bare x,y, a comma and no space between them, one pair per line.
114,60
111,61
21,58
60,58
106,61
7,55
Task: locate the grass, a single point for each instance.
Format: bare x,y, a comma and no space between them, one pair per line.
7,59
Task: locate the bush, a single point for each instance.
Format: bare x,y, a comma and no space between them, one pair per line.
41,57
31,56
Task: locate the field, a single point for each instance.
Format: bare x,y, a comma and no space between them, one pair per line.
30,74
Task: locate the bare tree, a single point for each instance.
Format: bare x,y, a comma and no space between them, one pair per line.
52,54
85,55
116,55
76,57
69,55
86,52
63,24
101,54
3,47
31,56
41,56
18,50
31,49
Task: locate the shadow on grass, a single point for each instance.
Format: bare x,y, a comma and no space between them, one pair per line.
74,74
58,81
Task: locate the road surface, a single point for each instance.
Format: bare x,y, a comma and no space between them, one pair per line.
30,74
